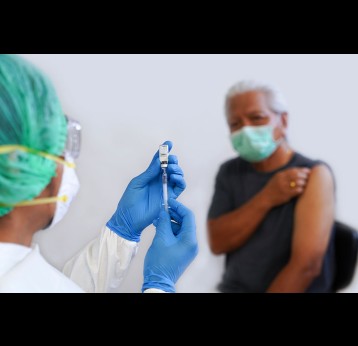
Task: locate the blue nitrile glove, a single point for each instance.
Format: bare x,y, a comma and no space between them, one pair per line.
143,198
174,247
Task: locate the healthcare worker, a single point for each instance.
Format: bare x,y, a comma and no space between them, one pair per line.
38,147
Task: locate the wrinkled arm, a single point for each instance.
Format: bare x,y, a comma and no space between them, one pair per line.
314,217
102,264
230,231
230,227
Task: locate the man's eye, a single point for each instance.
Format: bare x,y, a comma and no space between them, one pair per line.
234,126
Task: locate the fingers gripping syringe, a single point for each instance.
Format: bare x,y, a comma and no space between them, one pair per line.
164,157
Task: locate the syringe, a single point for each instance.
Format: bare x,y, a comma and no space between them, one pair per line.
164,157
165,188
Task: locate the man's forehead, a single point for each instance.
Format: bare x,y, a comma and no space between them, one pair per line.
249,102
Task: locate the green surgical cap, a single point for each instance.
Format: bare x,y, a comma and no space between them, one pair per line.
31,116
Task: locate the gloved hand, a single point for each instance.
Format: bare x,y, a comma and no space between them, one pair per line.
174,247
143,198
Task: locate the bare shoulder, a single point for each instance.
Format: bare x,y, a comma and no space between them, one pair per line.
321,181
318,197
322,174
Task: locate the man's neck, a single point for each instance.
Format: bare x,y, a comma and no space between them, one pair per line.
279,158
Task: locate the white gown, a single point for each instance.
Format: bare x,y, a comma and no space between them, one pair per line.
100,266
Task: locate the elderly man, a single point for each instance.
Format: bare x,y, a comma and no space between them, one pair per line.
272,212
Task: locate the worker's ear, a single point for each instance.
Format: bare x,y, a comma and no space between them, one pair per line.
54,185
47,211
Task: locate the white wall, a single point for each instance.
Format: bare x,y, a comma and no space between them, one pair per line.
129,104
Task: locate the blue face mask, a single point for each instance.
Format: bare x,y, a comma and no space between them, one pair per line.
255,143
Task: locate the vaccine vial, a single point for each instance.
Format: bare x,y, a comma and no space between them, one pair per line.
164,155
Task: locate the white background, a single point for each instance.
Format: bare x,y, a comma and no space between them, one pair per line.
129,104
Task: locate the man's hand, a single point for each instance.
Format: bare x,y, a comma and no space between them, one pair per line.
286,185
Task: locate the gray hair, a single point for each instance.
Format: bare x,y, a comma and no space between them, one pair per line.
276,100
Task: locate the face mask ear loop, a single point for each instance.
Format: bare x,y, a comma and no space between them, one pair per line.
7,149
38,201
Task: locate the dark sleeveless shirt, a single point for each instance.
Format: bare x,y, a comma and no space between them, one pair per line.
253,266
